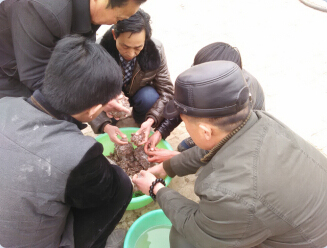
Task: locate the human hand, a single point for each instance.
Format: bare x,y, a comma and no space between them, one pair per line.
159,155
152,141
145,128
115,106
144,180
158,171
112,132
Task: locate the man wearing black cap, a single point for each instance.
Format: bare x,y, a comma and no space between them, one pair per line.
259,184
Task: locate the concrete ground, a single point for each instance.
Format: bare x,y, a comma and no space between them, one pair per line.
283,43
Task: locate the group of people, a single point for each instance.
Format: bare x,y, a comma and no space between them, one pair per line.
259,184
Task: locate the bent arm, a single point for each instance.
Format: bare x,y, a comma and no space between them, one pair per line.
185,163
168,125
163,85
35,31
93,182
219,222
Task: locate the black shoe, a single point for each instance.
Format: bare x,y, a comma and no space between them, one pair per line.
185,144
116,239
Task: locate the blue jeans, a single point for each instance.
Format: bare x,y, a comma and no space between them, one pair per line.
142,102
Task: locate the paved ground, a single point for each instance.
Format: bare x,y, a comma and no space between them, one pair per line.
283,44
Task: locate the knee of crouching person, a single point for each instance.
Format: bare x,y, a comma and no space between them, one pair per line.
125,187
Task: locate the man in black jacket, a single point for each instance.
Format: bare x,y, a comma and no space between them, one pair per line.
57,189
29,30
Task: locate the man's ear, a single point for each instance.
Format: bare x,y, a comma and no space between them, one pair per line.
113,34
93,110
207,131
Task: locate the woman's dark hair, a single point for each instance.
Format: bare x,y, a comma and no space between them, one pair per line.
80,75
218,51
135,24
120,3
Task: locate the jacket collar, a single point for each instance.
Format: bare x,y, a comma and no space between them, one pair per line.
148,59
81,21
249,122
39,102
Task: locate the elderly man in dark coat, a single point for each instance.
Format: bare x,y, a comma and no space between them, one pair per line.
259,184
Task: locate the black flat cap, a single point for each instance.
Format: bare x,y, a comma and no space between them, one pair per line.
210,90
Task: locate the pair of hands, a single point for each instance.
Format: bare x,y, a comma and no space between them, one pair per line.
144,179
114,131
157,155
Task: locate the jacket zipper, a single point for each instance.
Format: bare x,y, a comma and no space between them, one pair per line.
133,81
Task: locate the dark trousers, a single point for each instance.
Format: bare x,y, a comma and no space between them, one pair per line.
142,101
93,226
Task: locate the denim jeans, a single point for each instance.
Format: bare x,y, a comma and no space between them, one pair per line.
142,102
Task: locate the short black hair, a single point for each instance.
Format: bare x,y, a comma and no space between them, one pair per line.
218,51
80,75
135,24
225,123
120,3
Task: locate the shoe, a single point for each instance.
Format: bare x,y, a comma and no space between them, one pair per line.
116,239
185,144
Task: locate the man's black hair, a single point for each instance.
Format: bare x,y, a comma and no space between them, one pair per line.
218,51
80,75
120,3
135,24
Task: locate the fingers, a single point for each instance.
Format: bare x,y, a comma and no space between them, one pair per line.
114,106
154,159
141,130
117,141
121,108
144,141
120,133
152,146
134,178
146,146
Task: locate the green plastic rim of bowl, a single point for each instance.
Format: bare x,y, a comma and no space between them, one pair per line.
143,223
108,147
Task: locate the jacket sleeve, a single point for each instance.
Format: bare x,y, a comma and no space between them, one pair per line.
99,123
185,163
163,85
168,125
258,96
93,182
33,40
220,221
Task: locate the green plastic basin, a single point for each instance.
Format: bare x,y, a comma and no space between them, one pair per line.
108,147
145,223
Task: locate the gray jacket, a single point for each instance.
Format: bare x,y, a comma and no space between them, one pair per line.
265,187
29,30
33,175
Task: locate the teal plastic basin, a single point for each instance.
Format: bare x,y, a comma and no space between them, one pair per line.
144,223
108,147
